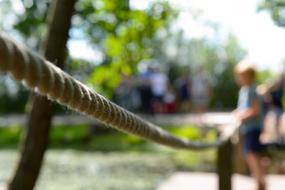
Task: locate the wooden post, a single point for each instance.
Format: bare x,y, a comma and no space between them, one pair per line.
224,164
239,164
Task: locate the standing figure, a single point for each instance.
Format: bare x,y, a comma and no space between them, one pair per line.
126,94
183,87
200,92
159,83
145,91
248,113
169,100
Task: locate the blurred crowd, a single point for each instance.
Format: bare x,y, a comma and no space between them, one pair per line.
152,92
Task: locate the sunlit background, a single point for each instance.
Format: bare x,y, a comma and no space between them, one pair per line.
128,50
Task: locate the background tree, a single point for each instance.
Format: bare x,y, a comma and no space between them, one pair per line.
223,74
125,36
276,9
32,23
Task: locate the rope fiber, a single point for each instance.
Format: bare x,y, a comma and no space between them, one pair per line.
48,80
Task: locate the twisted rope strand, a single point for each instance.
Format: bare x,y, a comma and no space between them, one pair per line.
48,80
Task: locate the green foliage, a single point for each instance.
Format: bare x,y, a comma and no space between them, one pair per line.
32,23
61,135
10,136
264,75
125,36
195,161
105,79
225,90
276,9
79,137
186,132
122,143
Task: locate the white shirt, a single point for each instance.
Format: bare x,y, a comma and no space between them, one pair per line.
199,85
158,84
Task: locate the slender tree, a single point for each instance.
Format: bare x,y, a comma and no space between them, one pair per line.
39,121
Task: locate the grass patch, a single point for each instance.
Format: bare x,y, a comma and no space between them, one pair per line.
78,138
67,136
9,136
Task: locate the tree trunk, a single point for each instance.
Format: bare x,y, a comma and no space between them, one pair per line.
39,122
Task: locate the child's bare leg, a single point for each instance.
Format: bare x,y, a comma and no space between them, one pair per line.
256,168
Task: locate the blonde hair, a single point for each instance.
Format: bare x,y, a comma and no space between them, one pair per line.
245,67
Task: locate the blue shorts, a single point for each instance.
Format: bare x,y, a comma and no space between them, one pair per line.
252,142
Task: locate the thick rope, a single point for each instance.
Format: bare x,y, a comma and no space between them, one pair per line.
48,80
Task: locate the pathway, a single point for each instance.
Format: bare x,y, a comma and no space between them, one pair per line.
209,181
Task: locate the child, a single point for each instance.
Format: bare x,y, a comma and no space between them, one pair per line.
248,113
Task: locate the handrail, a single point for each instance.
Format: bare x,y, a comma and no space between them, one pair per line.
48,80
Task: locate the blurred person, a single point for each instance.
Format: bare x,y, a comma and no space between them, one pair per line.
183,87
276,93
126,94
159,82
248,113
145,91
200,91
169,100
272,95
